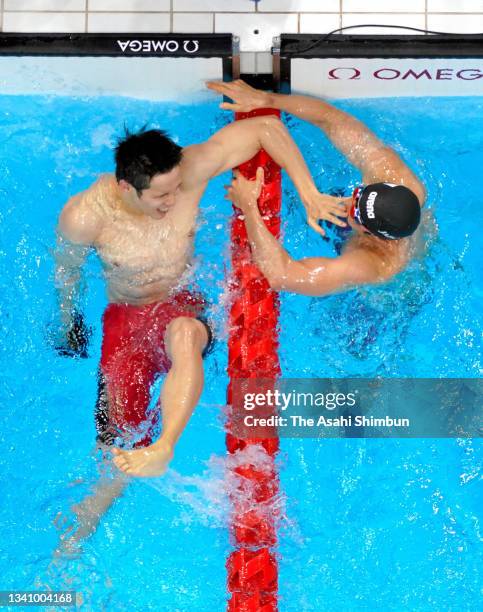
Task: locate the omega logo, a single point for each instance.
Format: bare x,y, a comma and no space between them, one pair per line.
356,74
158,46
391,74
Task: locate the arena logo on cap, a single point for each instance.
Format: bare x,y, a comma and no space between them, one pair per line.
159,46
370,204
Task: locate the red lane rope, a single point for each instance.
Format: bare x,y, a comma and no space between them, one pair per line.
253,353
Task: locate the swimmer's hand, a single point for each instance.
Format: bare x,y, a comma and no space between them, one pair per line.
75,339
245,98
244,193
320,206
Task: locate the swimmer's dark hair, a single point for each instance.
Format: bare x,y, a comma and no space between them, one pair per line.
141,155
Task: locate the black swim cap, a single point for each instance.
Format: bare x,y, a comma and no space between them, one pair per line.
389,211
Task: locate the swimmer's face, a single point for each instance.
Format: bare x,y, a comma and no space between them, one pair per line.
161,195
356,227
158,198
350,218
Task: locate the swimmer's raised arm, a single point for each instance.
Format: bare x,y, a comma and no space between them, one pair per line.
311,276
376,161
239,142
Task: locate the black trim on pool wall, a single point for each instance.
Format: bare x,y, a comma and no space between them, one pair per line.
118,45
380,45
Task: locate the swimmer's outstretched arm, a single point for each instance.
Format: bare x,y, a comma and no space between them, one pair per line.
376,161
312,276
239,142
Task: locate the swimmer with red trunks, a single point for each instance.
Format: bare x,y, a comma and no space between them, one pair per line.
141,223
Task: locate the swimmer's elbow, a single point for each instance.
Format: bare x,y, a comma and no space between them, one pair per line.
285,274
276,277
272,277
275,281
271,121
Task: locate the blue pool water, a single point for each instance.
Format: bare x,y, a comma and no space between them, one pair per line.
368,524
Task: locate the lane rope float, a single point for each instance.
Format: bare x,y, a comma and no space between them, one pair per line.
252,572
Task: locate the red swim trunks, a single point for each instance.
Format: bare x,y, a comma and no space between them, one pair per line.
133,355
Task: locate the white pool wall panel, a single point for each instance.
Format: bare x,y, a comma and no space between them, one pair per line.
149,78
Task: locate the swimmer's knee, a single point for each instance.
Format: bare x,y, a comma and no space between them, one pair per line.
182,327
185,334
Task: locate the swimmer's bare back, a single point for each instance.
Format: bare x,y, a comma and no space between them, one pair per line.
143,258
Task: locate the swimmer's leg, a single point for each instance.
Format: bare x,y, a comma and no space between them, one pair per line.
185,340
88,512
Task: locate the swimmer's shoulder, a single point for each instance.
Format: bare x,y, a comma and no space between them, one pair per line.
104,190
377,260
82,218
384,165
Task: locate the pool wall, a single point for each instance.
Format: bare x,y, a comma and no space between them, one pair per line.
161,67
255,22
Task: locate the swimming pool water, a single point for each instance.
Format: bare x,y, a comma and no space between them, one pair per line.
369,524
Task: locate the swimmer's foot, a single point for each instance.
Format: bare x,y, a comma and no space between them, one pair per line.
149,461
